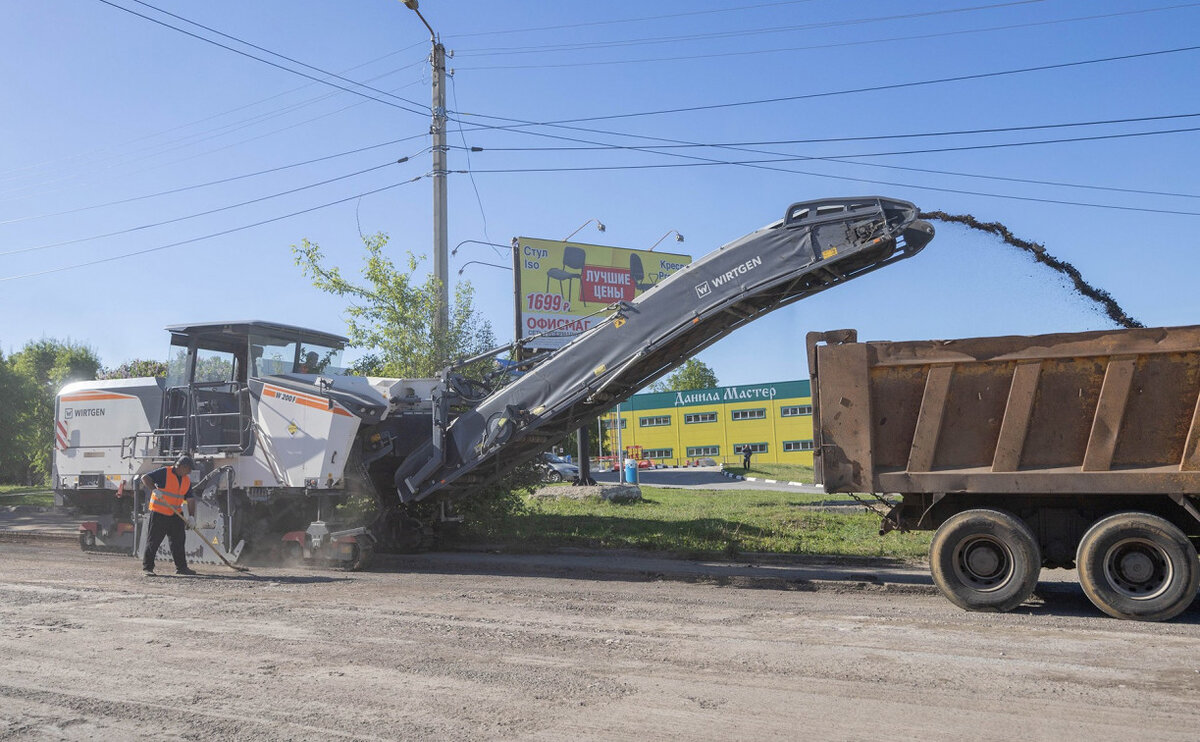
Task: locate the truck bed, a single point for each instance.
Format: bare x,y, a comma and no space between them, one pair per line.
1108,412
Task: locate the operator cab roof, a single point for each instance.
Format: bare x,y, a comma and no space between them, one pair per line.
240,331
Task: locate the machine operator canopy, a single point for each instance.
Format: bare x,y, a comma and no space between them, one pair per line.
233,351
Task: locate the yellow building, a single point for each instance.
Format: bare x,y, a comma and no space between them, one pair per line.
673,428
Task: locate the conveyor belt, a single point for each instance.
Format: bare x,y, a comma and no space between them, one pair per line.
818,244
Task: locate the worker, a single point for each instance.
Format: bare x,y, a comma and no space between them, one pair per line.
310,363
746,451
170,488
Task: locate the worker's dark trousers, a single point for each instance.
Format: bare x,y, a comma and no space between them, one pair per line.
170,527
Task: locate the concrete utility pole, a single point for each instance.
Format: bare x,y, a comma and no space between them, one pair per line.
441,258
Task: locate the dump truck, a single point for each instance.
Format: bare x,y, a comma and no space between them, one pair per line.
1077,450
284,437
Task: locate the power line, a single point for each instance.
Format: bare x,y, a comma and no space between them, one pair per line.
219,181
467,150
281,56
582,45
766,165
963,148
833,45
21,169
832,93
6,197
845,159
627,20
267,61
869,138
214,234
141,227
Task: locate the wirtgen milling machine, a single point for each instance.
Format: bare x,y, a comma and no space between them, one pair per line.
283,435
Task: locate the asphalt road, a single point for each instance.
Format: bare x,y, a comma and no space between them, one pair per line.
482,646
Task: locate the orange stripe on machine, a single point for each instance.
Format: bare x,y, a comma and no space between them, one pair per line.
94,396
305,400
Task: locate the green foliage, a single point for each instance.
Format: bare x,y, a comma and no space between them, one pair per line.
693,374
28,385
135,369
392,312
494,511
17,399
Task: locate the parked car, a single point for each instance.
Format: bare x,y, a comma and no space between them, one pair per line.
556,469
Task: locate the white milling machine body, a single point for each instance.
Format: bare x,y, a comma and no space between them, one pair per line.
279,432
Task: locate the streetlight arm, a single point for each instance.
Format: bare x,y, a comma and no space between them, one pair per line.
678,238
599,226
412,5
477,242
480,262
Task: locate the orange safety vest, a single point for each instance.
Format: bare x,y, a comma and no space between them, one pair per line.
168,500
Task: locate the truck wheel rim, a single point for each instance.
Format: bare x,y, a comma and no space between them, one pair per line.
1138,569
983,563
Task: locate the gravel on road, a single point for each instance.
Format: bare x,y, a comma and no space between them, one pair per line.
462,649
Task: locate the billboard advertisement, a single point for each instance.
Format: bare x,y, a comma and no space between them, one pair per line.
558,284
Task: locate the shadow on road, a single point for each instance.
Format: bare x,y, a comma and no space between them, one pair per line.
1069,600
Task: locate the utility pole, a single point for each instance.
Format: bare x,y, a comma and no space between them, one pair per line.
441,258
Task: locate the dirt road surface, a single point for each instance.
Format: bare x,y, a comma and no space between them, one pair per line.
89,649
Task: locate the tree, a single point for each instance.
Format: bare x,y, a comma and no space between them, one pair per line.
17,395
392,312
136,369
693,374
44,366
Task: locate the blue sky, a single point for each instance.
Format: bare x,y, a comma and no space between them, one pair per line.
102,106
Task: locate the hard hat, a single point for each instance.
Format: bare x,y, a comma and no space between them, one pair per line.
185,460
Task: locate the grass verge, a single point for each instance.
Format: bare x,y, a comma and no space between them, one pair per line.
699,523
19,494
782,472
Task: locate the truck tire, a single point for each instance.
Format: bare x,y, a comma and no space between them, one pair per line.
1138,566
985,560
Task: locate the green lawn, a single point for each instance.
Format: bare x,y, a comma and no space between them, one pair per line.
782,472
16,494
700,523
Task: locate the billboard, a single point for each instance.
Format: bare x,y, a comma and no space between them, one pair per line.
558,284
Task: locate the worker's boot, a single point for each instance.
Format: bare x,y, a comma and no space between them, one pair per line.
186,571
147,571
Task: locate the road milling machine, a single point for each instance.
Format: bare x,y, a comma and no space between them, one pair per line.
283,435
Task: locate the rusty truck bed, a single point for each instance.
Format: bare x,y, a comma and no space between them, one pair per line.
1109,412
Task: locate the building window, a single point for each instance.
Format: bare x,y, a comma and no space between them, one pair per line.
695,451
654,422
755,447
758,414
797,445
610,424
658,453
699,417
795,410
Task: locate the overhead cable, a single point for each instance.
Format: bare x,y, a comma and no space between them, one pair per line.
141,227
269,62
219,181
222,233
846,91
831,45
